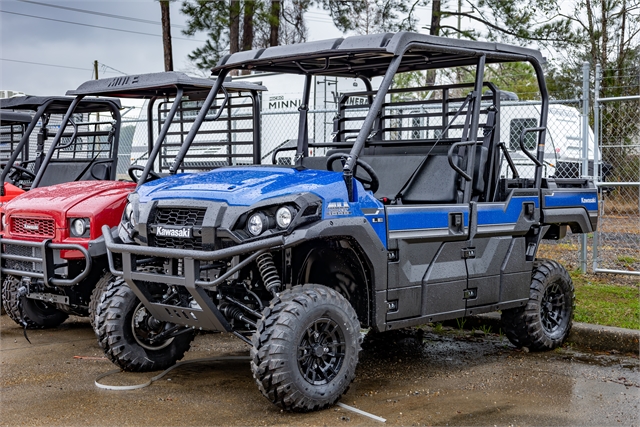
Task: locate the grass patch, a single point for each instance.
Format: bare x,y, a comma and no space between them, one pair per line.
627,259
602,303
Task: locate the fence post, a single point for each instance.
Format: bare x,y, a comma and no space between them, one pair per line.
585,153
597,167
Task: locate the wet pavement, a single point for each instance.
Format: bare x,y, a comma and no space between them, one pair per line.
446,378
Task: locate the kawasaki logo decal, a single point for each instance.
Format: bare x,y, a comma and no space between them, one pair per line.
33,227
182,232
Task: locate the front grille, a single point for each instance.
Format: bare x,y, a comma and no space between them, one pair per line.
181,217
23,251
37,227
178,243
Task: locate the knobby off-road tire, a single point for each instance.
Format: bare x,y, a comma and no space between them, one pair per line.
29,313
97,292
305,348
545,322
124,343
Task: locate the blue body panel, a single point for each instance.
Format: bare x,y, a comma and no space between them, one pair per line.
504,212
568,198
247,185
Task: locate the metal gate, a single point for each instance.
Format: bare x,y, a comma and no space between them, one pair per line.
616,244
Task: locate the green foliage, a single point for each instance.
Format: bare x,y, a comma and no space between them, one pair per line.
601,303
627,259
461,322
517,77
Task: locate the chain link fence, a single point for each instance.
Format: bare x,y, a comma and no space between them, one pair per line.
616,245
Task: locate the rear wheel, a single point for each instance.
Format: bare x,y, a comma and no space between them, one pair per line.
126,330
305,349
545,322
26,312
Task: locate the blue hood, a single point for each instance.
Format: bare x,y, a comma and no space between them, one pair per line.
243,186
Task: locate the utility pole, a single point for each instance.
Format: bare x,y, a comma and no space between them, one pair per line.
166,35
95,69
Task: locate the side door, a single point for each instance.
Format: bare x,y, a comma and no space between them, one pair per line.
503,247
426,270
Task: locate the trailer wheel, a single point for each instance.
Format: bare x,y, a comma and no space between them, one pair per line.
96,294
124,328
305,349
545,322
26,312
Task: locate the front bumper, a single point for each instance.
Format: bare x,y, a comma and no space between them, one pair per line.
20,258
206,315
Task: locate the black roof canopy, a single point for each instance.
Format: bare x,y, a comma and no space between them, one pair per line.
156,84
59,104
370,55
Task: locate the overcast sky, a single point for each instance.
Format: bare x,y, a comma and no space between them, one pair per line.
48,57
68,50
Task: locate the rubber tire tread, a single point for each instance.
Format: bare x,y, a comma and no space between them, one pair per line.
113,317
25,312
96,293
276,372
522,325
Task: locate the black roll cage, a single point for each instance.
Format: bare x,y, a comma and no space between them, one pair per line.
384,55
166,85
46,105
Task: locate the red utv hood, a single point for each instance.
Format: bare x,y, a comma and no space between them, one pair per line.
10,191
56,200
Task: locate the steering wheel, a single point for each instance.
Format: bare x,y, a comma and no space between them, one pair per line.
19,173
371,183
153,175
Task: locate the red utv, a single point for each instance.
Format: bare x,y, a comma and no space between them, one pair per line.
53,257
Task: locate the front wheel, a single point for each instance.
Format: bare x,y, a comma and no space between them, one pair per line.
305,348
545,322
96,294
26,312
126,329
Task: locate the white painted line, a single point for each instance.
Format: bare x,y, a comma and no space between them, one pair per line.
358,411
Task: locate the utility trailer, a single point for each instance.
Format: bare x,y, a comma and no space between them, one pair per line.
368,230
53,258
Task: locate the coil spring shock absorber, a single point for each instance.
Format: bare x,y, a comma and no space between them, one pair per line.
269,273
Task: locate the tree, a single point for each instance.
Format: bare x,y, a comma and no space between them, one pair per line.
373,16
510,21
234,25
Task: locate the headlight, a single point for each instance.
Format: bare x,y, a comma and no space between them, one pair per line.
257,224
3,222
283,217
128,211
79,227
129,214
